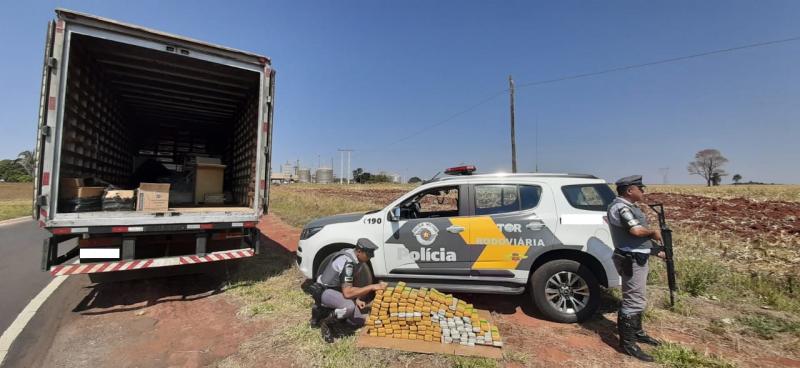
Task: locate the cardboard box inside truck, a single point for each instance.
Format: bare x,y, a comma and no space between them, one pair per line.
71,188
208,180
152,197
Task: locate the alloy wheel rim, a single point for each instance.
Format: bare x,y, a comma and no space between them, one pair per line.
567,292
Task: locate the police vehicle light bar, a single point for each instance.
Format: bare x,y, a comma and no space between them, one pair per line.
460,170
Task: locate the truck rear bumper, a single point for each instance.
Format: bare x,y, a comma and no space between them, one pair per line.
74,269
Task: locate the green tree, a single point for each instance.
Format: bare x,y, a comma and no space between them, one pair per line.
414,180
11,171
25,159
708,163
380,179
357,174
737,178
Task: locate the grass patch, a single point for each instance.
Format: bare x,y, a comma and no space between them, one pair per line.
682,306
15,208
15,200
678,356
468,362
515,356
697,275
768,327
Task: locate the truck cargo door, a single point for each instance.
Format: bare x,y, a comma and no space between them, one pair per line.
49,103
266,167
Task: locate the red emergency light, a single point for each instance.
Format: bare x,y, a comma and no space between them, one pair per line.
460,170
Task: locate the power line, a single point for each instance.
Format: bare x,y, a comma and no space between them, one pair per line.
586,75
659,62
441,122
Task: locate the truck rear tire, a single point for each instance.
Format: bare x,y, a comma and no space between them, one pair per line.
565,291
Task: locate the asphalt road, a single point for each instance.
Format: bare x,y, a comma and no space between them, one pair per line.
21,277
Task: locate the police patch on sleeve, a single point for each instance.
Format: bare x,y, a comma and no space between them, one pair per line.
628,218
348,273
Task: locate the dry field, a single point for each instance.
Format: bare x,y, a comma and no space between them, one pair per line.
15,200
756,193
298,204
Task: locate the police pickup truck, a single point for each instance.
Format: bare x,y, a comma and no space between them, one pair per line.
493,233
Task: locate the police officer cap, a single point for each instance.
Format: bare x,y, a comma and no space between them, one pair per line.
630,180
366,244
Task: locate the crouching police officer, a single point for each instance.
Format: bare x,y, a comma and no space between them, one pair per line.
633,240
338,294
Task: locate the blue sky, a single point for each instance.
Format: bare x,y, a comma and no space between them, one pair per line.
364,74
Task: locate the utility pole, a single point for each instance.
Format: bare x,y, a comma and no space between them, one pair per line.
664,171
536,142
341,166
513,137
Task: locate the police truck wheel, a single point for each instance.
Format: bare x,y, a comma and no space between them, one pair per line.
565,291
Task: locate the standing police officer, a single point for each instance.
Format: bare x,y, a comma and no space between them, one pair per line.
336,278
633,242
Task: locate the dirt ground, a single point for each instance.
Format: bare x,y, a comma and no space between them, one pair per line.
744,218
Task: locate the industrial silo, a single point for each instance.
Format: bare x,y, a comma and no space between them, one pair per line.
324,175
304,175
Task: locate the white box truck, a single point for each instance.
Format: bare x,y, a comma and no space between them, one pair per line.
125,107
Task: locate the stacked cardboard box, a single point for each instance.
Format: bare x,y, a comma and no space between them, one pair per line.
426,314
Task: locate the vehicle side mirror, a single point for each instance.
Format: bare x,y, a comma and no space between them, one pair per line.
394,214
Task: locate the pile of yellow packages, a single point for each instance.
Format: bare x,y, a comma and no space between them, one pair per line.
426,314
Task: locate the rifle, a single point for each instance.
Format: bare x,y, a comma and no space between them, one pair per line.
666,239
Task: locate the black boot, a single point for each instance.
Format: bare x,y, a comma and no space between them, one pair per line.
317,314
328,328
642,336
626,325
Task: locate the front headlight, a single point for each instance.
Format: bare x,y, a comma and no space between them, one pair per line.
309,232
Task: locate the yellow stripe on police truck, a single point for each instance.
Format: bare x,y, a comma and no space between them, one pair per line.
499,252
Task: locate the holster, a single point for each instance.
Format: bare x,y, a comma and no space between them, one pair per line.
641,258
315,290
626,262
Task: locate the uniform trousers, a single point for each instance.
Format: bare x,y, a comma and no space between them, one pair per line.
343,307
634,285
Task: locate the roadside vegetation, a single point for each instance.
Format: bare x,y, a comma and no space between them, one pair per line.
15,200
678,356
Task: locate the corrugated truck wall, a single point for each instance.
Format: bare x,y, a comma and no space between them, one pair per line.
242,154
95,136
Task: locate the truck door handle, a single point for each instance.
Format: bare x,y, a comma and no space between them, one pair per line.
535,225
455,229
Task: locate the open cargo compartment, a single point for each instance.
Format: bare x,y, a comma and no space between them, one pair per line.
127,107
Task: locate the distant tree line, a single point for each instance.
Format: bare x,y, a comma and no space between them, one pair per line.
19,169
362,177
